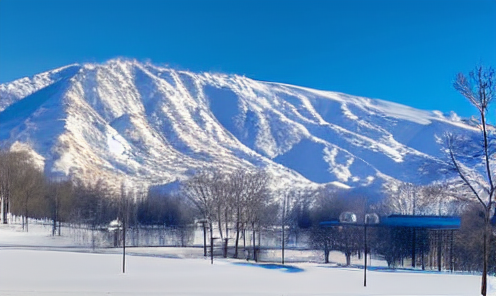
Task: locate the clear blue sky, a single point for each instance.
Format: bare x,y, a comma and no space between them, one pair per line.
406,51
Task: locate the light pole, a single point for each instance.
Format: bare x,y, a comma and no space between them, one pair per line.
350,218
124,208
124,225
203,222
369,219
124,213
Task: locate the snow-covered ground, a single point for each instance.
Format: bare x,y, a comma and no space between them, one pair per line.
54,269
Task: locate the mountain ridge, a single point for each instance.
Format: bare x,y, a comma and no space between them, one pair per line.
157,125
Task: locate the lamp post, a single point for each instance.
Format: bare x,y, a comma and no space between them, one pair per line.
203,222
369,219
350,218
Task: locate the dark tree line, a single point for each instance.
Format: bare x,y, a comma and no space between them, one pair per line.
27,193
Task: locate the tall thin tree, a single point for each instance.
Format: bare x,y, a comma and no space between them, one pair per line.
474,164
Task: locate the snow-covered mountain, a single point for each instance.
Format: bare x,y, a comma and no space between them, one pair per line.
157,125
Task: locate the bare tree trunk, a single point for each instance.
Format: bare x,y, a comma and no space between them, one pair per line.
282,242
2,210
224,246
326,252
227,234
219,223
54,227
93,238
451,252
237,240
226,223
259,239
244,236
204,240
439,251
211,244
422,254
124,227
484,268
55,218
414,246
254,242
26,214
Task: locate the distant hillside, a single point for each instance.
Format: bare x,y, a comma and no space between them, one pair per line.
157,125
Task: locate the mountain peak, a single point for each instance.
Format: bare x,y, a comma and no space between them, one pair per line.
155,124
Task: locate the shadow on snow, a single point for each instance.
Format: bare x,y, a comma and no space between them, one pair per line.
283,268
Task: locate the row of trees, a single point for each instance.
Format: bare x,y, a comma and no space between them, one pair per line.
26,192
241,201
293,212
393,244
240,198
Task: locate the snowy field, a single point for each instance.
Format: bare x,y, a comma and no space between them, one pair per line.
46,266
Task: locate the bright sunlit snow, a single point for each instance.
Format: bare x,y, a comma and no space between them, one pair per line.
46,266
170,123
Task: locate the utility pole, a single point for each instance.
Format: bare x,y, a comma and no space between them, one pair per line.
203,223
124,224
124,245
283,225
365,254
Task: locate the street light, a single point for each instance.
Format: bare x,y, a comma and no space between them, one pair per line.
347,217
203,222
350,218
372,218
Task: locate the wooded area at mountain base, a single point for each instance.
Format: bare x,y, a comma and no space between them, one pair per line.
239,205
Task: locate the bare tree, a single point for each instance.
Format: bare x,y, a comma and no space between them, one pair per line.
126,201
287,199
238,197
238,200
9,162
201,191
251,196
402,199
474,164
27,186
58,195
247,190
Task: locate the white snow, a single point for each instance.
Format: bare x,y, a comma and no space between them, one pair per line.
58,271
342,171
38,160
404,112
30,272
163,118
115,146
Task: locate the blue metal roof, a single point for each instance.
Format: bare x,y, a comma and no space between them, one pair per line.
430,222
